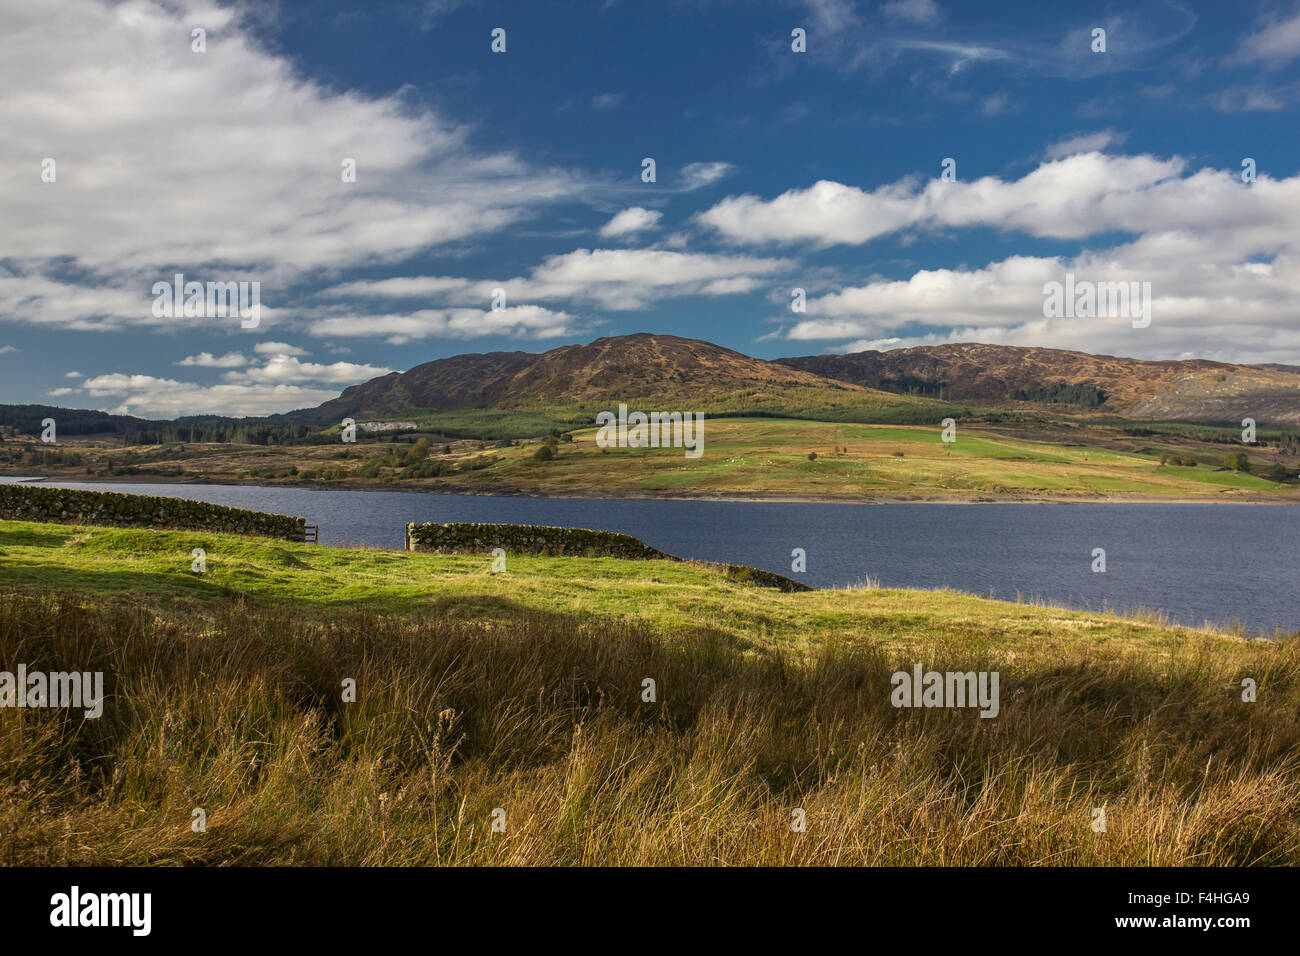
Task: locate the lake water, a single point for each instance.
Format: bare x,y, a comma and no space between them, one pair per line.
1198,563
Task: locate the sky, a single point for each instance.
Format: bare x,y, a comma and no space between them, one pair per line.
401,191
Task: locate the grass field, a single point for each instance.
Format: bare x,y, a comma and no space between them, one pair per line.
744,457
523,692
771,457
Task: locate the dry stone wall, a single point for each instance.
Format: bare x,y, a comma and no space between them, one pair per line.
74,506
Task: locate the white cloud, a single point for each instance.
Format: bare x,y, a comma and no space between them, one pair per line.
1222,258
208,360
604,101
1255,99
6,349
1084,143
699,175
277,348
1075,197
60,392
1229,310
151,397
1277,42
632,220
825,213
287,369
73,375
247,186
281,384
525,321
613,279
402,287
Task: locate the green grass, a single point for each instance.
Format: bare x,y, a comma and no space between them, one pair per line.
746,456
757,454
522,691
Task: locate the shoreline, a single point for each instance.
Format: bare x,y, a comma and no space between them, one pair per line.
1246,498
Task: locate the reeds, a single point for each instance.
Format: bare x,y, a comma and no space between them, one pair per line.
239,711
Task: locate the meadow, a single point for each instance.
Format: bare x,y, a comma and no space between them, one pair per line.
761,457
520,697
743,457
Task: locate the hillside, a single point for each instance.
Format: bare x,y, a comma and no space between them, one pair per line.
681,372
1187,390
665,368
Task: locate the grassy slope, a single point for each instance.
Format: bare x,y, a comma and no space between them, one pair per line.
770,457
155,566
522,691
759,457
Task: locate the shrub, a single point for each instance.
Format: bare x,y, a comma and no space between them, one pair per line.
544,453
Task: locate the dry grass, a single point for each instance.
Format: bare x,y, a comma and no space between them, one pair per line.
238,710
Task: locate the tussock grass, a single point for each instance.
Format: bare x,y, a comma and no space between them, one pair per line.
237,709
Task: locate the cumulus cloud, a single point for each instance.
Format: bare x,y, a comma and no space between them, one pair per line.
208,360
277,348
632,220
1230,310
614,279
1222,258
1071,198
1093,142
288,369
280,384
524,321
152,397
248,186
633,278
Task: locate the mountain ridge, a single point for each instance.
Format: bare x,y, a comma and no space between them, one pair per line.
646,365
1183,389
641,365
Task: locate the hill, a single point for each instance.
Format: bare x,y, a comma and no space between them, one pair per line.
658,370
1179,389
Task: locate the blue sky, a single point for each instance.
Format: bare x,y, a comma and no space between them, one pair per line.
522,171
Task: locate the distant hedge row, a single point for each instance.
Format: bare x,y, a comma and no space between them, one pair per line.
74,506
480,538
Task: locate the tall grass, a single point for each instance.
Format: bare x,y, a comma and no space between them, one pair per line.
238,710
